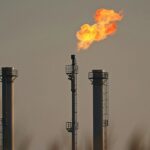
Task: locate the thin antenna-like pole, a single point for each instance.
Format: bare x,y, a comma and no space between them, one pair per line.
71,71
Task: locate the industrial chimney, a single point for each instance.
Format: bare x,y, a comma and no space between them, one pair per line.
99,79
72,71
8,75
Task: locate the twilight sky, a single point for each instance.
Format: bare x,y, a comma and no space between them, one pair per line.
38,36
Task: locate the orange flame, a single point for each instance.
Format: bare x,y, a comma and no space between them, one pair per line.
105,25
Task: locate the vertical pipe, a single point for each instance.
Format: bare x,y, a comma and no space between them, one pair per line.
71,71
74,103
97,77
8,76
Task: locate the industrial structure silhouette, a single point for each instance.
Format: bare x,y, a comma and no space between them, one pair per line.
99,80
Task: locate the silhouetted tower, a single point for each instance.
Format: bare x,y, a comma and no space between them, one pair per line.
99,80
8,75
71,71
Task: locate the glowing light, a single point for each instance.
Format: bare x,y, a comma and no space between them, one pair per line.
105,25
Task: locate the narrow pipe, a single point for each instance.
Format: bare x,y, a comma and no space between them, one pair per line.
71,71
74,103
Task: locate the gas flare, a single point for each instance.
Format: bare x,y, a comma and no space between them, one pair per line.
105,25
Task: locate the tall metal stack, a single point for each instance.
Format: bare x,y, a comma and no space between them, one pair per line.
8,75
99,79
72,71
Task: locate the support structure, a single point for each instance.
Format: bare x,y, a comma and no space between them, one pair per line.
71,71
99,80
8,75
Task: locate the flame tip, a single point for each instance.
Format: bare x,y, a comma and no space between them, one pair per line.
105,25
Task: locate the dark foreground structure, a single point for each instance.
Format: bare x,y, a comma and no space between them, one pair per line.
72,71
8,75
99,79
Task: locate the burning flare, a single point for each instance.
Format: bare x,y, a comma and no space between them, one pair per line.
105,25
